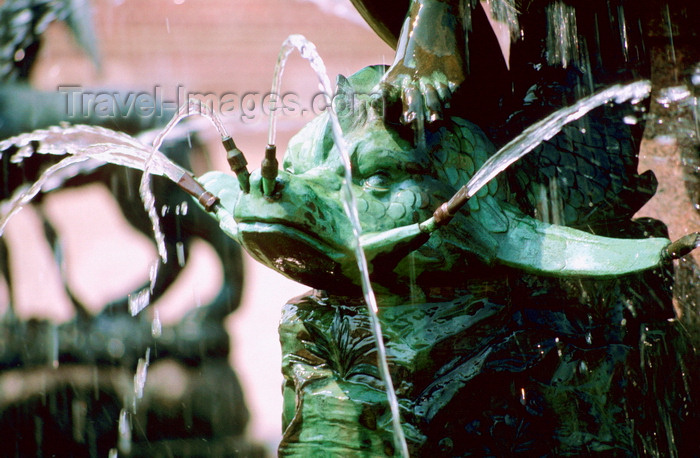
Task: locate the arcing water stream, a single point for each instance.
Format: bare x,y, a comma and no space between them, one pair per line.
79,143
86,144
87,148
308,51
542,131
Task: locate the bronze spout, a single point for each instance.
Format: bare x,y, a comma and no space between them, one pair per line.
238,163
268,170
208,200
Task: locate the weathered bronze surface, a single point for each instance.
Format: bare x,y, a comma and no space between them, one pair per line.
489,357
539,322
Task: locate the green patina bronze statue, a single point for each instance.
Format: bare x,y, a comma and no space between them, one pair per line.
504,334
399,184
538,319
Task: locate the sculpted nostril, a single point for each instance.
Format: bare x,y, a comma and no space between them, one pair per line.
310,218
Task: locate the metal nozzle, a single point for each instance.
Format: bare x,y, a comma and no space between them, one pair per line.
268,170
682,246
238,163
442,215
208,200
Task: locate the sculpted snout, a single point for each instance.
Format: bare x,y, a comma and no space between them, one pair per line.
309,202
299,230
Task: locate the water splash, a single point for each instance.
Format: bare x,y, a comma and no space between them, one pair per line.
131,402
156,325
308,51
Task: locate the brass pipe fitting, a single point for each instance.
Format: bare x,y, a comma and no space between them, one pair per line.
238,163
268,170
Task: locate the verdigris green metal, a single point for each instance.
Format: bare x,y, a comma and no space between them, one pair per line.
397,185
504,334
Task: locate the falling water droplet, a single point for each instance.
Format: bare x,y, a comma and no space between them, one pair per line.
180,248
630,120
79,416
153,274
124,432
673,94
666,140
141,372
415,291
139,301
53,347
562,34
156,325
624,35
418,126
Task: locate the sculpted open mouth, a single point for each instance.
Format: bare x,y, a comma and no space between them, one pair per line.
296,254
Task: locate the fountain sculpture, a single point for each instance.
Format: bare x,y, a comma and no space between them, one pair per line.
535,320
493,350
490,353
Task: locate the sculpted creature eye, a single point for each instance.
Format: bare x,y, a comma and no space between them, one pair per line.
379,182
